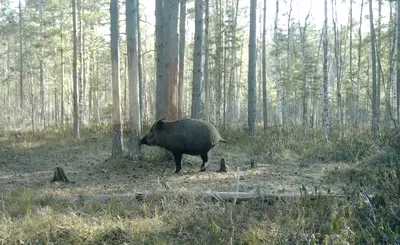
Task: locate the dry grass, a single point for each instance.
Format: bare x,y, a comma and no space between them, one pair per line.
366,172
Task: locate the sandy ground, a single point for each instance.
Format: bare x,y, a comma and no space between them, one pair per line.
32,163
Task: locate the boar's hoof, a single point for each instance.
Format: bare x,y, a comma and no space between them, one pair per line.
203,169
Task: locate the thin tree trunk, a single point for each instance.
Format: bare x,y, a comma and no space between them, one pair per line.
206,61
304,83
359,65
325,121
117,127
264,69
182,36
374,75
133,73
21,58
197,62
398,64
389,84
139,37
278,81
378,74
252,93
80,64
41,76
62,70
75,71
352,114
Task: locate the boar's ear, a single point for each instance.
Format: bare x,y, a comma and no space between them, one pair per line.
159,124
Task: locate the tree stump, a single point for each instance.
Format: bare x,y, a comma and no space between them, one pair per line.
60,176
223,167
253,163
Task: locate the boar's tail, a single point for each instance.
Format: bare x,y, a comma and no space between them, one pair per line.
222,140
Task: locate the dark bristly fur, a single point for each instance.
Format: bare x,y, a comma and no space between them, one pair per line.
184,136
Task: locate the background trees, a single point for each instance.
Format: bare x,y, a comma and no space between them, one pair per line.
56,71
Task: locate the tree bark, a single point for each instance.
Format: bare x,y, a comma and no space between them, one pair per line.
264,68
398,64
75,71
325,121
197,62
182,37
133,75
62,70
117,123
41,72
206,61
21,58
352,114
305,93
374,75
139,45
278,81
359,66
252,93
160,73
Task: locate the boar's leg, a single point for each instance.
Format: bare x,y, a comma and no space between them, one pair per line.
205,158
178,162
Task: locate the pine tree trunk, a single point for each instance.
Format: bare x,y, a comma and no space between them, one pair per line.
325,121
21,58
352,111
389,85
278,81
206,61
75,71
160,73
62,73
264,69
117,124
398,64
182,36
139,38
133,74
378,73
197,62
359,66
374,75
252,93
41,72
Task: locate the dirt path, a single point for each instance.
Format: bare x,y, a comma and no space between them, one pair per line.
31,164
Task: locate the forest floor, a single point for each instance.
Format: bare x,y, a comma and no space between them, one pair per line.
31,164
285,166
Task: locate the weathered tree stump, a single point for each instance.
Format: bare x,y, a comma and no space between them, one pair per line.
60,176
223,167
253,163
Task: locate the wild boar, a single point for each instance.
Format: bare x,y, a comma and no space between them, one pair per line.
184,136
